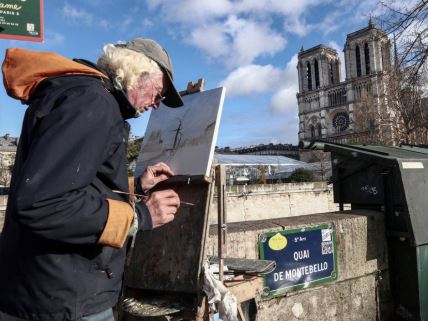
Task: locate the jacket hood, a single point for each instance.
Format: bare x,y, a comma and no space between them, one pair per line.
23,70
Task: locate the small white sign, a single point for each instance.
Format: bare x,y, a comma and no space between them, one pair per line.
326,235
412,165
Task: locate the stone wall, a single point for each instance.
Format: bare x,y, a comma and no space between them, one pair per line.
258,202
3,202
7,158
361,291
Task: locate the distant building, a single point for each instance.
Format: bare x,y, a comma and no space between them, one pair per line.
8,147
258,169
327,105
271,149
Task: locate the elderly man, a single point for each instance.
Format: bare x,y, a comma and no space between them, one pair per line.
62,249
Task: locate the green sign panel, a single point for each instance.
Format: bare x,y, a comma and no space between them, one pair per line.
304,257
21,19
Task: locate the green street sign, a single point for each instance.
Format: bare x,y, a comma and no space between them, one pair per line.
304,257
21,19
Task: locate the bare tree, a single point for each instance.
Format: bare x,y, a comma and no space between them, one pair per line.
408,104
373,121
407,22
400,115
322,164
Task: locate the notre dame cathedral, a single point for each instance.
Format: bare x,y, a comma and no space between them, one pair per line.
327,105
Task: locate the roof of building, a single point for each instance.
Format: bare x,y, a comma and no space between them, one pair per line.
258,148
317,48
8,143
285,164
239,159
378,151
358,33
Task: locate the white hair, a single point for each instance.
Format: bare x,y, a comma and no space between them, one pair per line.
125,66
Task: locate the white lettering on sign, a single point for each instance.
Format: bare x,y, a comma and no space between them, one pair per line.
412,165
10,6
297,273
300,255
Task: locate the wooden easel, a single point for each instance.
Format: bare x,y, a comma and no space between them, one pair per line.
167,261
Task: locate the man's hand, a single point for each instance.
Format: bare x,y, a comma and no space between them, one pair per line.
163,206
154,175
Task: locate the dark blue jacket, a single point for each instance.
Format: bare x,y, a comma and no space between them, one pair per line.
70,157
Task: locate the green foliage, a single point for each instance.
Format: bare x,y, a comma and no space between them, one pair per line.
301,175
132,151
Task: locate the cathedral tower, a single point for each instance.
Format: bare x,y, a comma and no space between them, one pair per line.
318,67
327,104
367,52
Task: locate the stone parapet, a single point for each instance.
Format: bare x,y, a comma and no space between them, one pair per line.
361,291
3,203
266,201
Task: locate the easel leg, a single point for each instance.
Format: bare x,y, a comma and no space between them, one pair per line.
241,313
203,310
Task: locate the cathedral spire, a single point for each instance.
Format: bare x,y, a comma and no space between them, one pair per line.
371,25
395,52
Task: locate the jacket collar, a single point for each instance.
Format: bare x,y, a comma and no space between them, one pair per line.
126,108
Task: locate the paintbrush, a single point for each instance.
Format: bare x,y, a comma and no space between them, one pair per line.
139,195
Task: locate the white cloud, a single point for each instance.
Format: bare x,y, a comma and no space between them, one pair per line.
252,79
147,23
280,129
237,42
330,23
256,79
284,100
203,11
297,26
126,23
236,33
292,7
105,24
53,38
251,40
77,15
335,45
193,12
210,39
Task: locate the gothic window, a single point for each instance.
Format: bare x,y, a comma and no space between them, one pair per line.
309,76
341,121
330,67
386,56
337,96
317,75
319,130
358,60
367,58
312,128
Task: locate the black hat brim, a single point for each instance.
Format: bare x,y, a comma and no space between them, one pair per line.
172,96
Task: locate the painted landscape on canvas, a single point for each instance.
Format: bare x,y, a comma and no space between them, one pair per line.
184,137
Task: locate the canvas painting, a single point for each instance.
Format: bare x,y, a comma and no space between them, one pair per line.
184,137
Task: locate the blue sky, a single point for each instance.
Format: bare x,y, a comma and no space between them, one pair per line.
249,46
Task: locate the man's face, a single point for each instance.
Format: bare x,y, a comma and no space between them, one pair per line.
147,92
